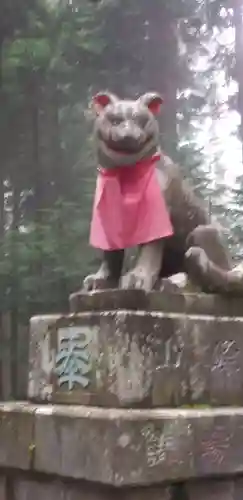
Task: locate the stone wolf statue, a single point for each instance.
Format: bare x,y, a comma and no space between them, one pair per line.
173,231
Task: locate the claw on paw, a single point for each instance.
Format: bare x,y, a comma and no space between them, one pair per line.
98,282
94,282
138,279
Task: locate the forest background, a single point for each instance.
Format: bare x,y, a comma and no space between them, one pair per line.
54,54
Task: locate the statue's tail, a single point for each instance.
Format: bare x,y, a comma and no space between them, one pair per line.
210,277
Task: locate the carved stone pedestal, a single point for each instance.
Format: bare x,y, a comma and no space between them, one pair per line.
77,453
132,349
135,354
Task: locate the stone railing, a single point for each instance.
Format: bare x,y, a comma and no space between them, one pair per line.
132,395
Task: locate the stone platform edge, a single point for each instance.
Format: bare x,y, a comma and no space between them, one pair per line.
160,301
120,447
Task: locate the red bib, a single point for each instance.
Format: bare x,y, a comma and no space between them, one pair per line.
129,208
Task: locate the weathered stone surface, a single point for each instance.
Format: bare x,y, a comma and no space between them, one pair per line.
108,300
67,445
46,489
123,447
3,488
16,435
238,487
29,490
36,489
211,490
71,444
43,488
136,359
215,489
148,493
180,302
138,447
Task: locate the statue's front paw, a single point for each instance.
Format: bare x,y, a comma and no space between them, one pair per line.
99,281
137,278
94,282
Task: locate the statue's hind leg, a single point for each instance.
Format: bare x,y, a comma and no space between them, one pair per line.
208,264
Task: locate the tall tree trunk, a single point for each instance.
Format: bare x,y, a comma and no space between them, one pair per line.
3,340
2,219
61,182
238,24
39,186
161,68
59,176
2,214
144,57
14,320
37,181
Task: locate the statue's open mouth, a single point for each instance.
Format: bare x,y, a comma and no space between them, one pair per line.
126,147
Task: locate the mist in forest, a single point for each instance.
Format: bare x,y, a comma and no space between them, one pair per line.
54,55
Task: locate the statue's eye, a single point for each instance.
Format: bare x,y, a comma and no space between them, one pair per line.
114,119
141,119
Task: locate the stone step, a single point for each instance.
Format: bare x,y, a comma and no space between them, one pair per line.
120,447
188,303
136,358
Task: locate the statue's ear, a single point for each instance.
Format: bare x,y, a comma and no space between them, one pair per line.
101,100
152,101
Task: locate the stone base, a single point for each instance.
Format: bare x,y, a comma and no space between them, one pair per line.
139,300
121,447
42,488
176,352
77,453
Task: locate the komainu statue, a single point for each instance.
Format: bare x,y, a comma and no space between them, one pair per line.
142,200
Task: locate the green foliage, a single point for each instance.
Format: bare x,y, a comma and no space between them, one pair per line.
44,251
56,38
53,55
51,260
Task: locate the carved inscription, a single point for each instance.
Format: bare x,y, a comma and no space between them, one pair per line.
73,363
226,366
173,352
165,445
155,446
214,446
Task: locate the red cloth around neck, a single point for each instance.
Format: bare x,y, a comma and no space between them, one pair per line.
129,208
